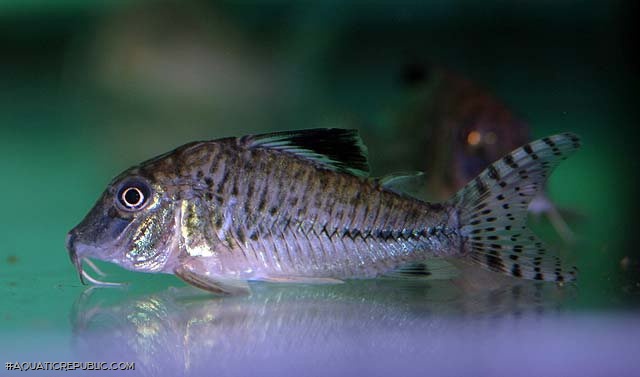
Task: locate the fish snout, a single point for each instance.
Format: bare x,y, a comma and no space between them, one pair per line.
70,242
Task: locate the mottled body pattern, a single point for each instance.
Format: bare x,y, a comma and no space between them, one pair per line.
286,216
299,207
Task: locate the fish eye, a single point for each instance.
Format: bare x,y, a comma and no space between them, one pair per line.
133,195
476,138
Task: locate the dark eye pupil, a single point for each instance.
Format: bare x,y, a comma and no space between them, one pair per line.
132,196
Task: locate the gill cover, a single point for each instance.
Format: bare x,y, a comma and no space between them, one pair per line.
150,240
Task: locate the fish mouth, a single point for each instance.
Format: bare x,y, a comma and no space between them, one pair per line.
77,262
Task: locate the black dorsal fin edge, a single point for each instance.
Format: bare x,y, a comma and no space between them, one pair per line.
335,148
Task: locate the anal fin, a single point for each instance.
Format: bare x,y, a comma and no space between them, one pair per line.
432,269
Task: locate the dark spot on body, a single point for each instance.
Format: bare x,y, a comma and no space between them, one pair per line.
436,206
494,262
527,148
508,159
250,189
355,199
493,173
515,271
481,187
230,242
223,182
240,235
385,235
12,259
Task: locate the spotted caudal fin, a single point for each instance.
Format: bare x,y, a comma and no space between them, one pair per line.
493,212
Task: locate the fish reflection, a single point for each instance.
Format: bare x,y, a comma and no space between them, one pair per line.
183,331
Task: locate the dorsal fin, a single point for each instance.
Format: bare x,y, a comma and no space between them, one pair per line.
335,148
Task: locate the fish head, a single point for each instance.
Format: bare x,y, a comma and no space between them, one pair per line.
131,225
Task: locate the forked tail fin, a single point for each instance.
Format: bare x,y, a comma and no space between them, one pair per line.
493,212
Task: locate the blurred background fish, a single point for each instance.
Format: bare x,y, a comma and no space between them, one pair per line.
457,129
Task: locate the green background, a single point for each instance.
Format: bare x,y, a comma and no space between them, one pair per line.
88,89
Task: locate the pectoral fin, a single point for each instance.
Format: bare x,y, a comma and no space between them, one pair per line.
212,283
